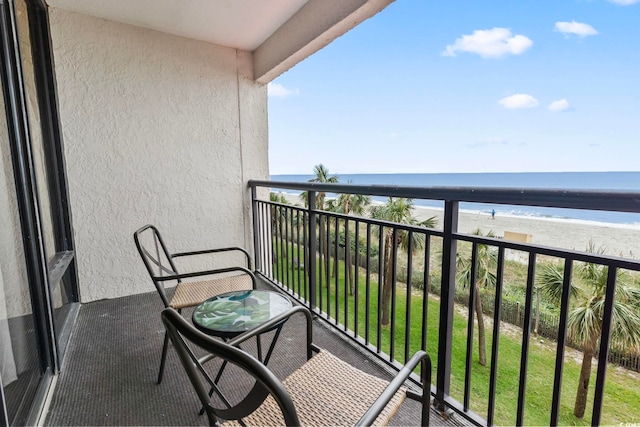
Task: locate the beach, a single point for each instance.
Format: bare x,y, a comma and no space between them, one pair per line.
615,239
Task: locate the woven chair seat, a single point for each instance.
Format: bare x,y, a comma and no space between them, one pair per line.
189,294
327,391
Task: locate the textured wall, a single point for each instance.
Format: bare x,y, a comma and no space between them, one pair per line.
157,129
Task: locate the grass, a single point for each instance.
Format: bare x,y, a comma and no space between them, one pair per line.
622,390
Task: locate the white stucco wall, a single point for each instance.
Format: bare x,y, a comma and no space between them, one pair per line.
157,129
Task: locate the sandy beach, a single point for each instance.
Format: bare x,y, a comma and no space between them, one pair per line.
616,239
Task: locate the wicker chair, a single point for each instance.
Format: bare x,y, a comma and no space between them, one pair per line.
160,264
323,391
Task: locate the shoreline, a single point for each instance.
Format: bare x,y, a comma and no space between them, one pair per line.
574,234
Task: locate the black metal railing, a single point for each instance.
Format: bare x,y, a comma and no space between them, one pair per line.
326,260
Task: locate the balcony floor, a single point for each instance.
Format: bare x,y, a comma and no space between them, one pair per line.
109,373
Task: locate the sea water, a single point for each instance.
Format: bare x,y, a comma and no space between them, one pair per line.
606,181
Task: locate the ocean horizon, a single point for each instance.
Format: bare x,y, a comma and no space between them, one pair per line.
605,181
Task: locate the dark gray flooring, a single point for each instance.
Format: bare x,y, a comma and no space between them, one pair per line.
109,372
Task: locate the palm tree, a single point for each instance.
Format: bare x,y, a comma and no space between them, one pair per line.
279,217
321,174
331,205
587,308
351,204
401,211
487,261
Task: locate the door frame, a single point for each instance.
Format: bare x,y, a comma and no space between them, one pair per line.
61,268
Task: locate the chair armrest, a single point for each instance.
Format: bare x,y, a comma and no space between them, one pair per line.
270,324
206,273
276,320
212,251
378,406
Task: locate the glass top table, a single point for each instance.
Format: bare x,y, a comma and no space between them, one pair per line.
230,314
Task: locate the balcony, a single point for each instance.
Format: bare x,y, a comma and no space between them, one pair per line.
111,368
112,361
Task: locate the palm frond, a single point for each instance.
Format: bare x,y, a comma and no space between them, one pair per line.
584,324
625,325
550,280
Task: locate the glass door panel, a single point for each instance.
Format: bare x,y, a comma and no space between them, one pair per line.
19,362
41,146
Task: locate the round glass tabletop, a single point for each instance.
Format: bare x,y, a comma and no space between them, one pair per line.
232,313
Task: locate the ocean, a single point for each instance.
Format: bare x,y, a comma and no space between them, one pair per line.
618,181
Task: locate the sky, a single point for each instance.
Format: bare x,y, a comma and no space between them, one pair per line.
467,86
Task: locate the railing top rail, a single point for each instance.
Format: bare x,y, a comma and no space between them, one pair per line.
603,200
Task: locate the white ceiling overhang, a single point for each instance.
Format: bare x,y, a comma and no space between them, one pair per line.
279,33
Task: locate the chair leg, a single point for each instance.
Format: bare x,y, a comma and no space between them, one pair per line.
165,347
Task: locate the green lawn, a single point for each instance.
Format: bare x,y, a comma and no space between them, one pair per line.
622,392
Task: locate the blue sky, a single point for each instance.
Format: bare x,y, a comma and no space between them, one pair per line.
467,86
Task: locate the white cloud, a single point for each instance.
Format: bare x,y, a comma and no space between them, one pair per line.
519,100
577,28
624,2
492,43
279,91
559,105
489,142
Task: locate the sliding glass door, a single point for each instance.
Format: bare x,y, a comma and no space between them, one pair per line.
38,289
19,361
46,155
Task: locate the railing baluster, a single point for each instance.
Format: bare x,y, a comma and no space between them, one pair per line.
283,247
407,319
394,282
335,269
356,277
380,275
305,252
497,314
281,265
268,241
274,243
258,233
321,263
425,290
300,262
295,271
264,230
256,237
313,249
445,334
327,263
603,355
470,324
367,296
561,342
346,275
287,261
526,336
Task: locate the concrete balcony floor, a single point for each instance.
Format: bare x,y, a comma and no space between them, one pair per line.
109,373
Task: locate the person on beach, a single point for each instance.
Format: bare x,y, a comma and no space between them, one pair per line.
493,214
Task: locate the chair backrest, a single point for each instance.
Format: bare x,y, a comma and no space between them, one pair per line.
156,257
182,332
